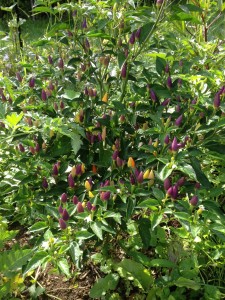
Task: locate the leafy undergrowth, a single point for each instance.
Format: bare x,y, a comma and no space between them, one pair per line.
112,154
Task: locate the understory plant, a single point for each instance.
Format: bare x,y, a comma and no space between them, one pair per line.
112,145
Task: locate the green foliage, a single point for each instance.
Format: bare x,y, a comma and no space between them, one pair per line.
112,142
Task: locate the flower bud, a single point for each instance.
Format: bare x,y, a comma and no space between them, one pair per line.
80,207
64,198
65,215
194,201
62,224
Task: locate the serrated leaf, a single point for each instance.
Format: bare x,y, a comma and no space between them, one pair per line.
103,285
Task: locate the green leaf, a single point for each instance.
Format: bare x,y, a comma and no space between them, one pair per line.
145,30
71,94
155,220
199,174
84,235
148,203
187,283
76,254
160,65
36,261
76,143
39,226
12,261
14,119
144,231
165,172
115,216
43,9
97,229
188,170
64,266
162,263
138,271
103,285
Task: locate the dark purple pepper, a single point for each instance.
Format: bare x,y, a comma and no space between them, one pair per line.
32,150
37,147
84,23
64,198
140,177
167,68
75,200
21,148
89,205
32,82
19,77
44,183
105,196
132,38
138,33
80,208
179,82
194,200
169,83
55,170
43,95
65,215
87,44
71,182
166,139
159,3
216,101
62,224
78,170
60,209
179,120
153,95
167,184
62,105
174,146
50,60
181,181
61,63
115,154
119,162
124,71
197,185
132,179
165,102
